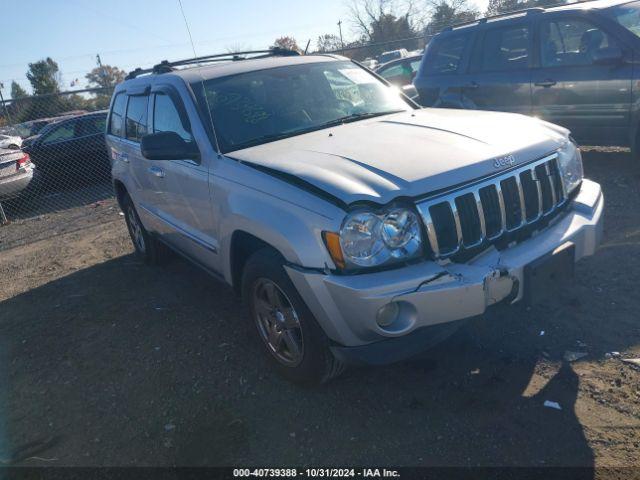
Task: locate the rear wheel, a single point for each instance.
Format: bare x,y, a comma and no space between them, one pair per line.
290,335
147,247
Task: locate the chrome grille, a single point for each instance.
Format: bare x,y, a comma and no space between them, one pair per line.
485,211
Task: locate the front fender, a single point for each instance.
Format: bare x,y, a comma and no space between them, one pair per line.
282,215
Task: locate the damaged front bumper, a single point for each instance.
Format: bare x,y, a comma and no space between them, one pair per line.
430,294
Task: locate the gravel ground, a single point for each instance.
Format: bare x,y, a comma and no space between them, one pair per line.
105,361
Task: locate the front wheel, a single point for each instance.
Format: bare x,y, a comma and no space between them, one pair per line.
290,335
147,247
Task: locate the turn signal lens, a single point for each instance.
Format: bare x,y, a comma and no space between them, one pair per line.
332,241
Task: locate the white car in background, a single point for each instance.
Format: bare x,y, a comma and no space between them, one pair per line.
392,55
12,142
16,173
370,63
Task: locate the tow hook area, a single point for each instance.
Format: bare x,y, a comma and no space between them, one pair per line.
500,286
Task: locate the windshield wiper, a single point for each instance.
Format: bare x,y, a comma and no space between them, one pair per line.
267,138
354,117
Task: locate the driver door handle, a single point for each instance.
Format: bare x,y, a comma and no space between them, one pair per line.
546,83
156,171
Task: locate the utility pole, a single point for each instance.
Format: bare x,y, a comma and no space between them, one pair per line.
99,62
340,28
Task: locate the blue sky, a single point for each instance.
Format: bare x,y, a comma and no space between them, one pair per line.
131,33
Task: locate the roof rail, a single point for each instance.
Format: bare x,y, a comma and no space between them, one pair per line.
165,66
527,11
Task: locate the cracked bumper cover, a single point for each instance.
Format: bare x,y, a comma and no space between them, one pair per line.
433,295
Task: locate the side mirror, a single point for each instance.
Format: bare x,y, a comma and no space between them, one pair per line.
607,56
168,146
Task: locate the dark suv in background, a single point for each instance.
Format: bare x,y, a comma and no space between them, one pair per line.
574,65
71,152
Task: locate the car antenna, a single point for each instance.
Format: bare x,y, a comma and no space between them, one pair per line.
204,91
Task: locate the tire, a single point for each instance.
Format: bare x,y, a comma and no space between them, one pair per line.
311,362
147,247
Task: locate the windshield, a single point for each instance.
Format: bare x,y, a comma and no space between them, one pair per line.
627,15
266,105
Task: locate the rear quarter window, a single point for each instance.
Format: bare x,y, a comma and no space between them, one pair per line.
116,122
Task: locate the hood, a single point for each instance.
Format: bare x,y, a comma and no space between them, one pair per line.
406,154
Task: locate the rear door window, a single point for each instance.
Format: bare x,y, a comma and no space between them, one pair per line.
116,124
136,124
92,125
60,133
571,42
504,49
446,55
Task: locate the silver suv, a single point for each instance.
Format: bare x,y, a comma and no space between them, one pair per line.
357,227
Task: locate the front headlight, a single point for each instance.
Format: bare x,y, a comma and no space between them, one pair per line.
372,239
570,164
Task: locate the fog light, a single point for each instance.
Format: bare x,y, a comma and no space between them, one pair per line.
387,314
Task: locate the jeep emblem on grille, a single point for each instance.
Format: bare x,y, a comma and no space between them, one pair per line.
503,162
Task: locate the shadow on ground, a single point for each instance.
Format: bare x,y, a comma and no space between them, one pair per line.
42,201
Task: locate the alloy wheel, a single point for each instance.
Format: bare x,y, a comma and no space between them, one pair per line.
278,323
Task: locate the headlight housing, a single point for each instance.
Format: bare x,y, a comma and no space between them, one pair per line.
570,165
373,239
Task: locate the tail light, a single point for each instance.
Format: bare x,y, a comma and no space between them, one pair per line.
23,161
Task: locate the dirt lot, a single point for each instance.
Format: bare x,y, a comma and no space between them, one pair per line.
104,361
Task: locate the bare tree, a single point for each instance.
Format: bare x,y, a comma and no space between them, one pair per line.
367,16
328,42
503,6
444,13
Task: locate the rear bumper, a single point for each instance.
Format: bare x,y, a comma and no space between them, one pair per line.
12,185
430,294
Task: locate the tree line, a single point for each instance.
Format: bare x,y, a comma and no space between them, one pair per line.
48,99
381,25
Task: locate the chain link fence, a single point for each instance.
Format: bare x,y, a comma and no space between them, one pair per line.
53,158
375,51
